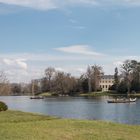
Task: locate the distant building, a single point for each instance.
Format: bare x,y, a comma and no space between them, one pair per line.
106,82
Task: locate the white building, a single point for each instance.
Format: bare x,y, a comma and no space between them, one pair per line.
106,82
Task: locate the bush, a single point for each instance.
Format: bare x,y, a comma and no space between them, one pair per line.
3,106
55,94
122,87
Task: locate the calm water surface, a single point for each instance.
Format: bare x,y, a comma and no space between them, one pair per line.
80,108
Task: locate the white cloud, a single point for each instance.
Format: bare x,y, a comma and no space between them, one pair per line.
132,2
118,63
59,69
20,63
78,49
53,4
46,4
37,4
7,61
81,70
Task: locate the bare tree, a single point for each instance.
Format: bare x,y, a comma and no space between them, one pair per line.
96,76
5,88
64,83
127,72
49,73
89,76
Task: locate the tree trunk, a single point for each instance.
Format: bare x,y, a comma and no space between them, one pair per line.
89,84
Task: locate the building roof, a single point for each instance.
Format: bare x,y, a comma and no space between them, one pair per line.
107,77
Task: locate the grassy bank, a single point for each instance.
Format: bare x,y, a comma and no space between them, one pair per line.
45,94
106,93
94,94
48,94
16,125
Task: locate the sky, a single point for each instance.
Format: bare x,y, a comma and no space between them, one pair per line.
68,35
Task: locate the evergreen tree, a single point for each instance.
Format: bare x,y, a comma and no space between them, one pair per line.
116,79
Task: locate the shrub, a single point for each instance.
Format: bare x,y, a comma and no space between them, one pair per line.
55,94
3,106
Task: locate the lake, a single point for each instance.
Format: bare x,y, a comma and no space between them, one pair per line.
77,107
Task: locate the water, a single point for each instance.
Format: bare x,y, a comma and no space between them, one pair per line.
79,108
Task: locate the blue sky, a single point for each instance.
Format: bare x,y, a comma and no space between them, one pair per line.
68,35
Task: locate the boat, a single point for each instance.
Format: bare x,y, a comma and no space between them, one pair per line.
37,97
122,100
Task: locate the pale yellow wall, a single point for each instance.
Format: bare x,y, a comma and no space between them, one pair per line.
106,83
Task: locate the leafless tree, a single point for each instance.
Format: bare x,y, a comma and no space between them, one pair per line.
127,72
94,74
49,74
97,72
5,88
89,76
64,83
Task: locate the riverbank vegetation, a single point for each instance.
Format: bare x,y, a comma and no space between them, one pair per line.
17,125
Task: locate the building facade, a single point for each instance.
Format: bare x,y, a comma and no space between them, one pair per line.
106,82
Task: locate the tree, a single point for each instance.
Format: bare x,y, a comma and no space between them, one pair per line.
16,89
127,72
5,87
131,75
136,76
83,83
49,73
89,76
116,79
96,76
44,85
122,88
64,83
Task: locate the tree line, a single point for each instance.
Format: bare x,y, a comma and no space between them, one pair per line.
129,79
7,88
58,82
63,83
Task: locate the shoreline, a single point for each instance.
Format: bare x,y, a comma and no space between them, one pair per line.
92,94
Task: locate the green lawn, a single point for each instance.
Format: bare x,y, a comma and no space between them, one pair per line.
95,94
15,125
104,93
46,94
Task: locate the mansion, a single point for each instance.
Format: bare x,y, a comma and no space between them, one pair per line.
106,82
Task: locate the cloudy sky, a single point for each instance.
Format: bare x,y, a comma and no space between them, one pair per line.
66,34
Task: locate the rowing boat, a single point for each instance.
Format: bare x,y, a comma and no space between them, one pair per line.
122,100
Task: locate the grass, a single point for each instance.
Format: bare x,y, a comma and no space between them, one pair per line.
96,94
108,93
135,95
46,94
101,93
92,94
15,125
